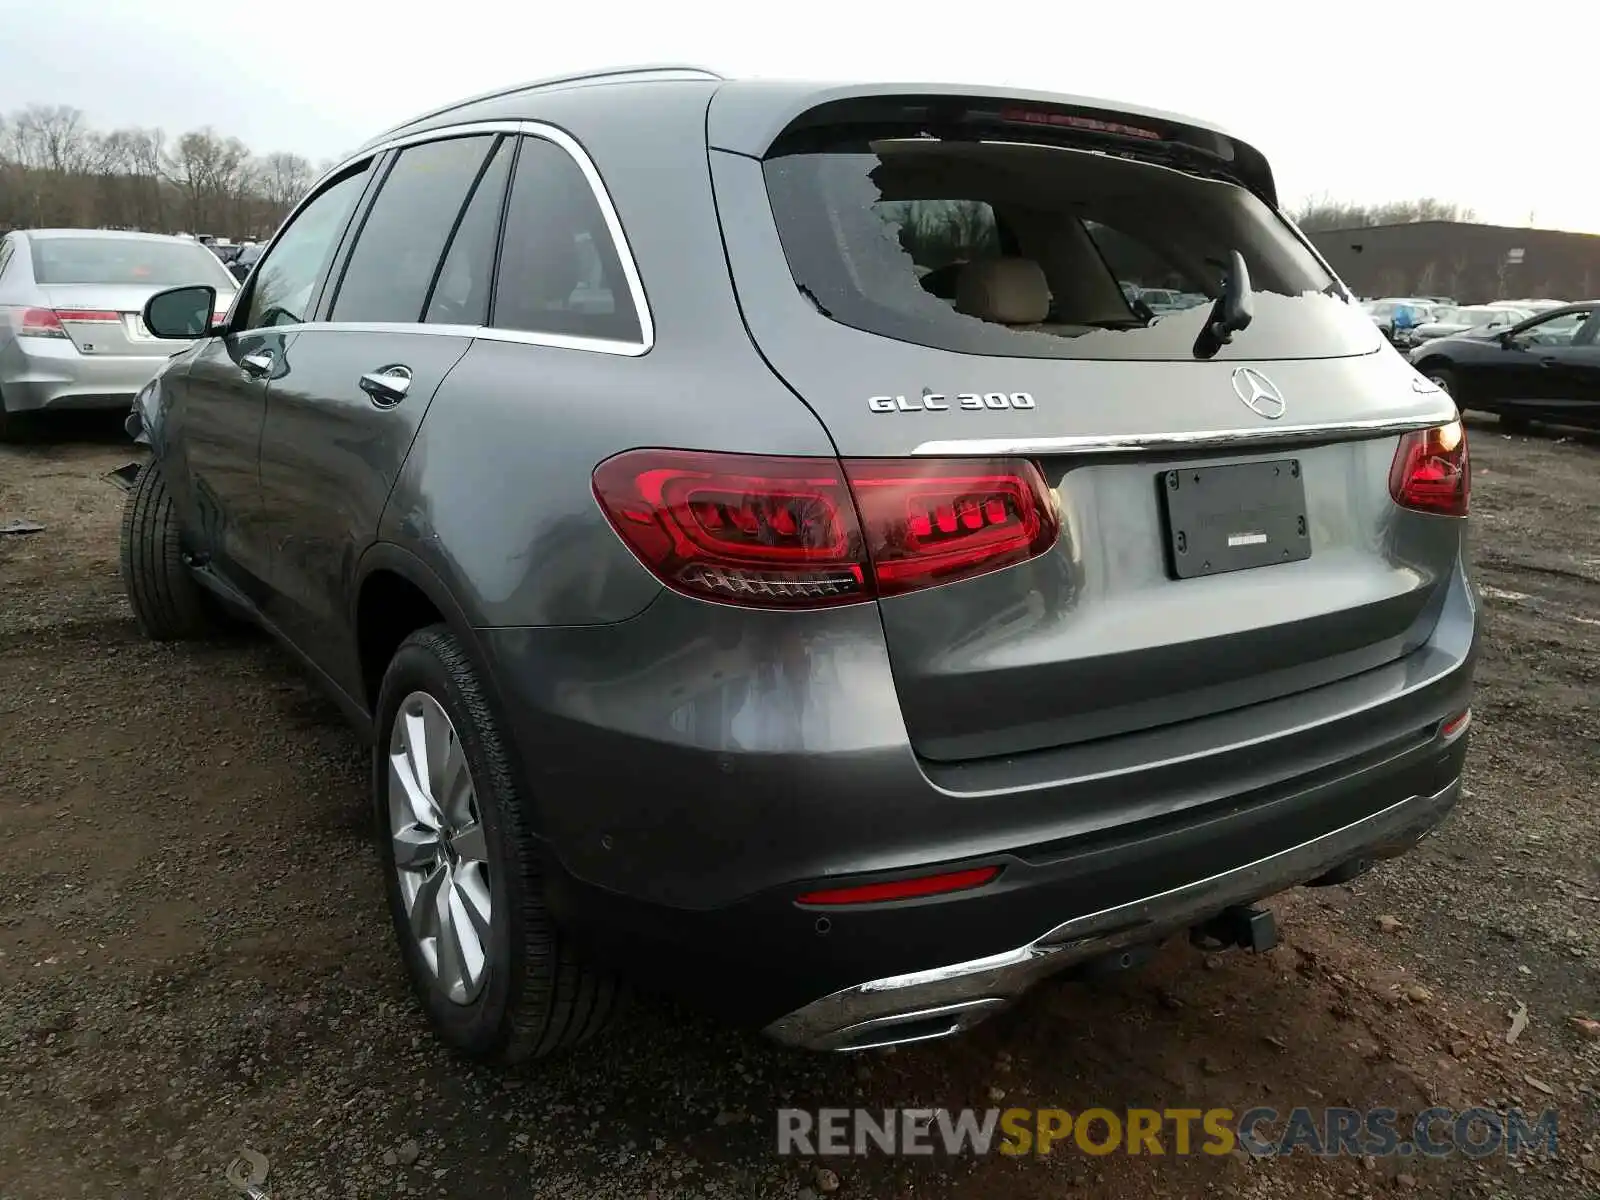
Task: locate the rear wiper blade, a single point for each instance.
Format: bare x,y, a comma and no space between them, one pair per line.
1232,312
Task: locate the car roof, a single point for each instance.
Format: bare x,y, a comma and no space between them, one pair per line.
747,116
127,235
1581,306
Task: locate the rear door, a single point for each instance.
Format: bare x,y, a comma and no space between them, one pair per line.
956,297
1560,367
341,416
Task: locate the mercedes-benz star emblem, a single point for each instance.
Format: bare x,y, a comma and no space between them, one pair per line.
1260,394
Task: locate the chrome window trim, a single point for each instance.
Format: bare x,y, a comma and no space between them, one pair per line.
608,213
484,333
1331,431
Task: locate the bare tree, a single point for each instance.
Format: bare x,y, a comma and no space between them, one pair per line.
57,170
1324,213
206,167
285,178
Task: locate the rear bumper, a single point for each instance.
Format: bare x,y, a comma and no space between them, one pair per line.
947,999
693,773
47,373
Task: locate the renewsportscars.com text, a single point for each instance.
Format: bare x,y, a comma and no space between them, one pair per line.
1323,1132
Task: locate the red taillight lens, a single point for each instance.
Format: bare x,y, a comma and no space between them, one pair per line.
903,889
769,531
1432,472
785,532
37,322
88,316
933,521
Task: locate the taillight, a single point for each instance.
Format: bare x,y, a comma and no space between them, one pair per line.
938,521
47,322
88,316
808,532
1431,471
38,322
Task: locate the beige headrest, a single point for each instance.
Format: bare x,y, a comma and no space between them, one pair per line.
1011,291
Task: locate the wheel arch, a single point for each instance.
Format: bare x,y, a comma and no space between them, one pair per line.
396,593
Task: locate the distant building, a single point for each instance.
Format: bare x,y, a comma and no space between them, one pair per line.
1468,262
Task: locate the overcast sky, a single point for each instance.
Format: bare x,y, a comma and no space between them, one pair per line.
1364,101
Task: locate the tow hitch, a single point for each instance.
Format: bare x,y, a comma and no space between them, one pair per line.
1246,926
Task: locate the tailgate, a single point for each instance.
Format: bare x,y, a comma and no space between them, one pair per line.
1271,458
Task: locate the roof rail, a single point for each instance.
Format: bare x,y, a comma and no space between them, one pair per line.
616,73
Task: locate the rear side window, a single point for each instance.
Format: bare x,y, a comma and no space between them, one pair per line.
135,261
560,271
398,249
461,293
1040,251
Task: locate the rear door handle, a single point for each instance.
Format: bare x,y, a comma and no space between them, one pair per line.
257,364
387,385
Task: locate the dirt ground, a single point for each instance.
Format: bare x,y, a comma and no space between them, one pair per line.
194,955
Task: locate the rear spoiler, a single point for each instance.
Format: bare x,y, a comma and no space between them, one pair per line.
759,119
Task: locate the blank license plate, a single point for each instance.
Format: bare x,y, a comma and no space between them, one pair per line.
1234,517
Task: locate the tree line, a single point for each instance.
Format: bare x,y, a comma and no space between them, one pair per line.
1323,213
56,171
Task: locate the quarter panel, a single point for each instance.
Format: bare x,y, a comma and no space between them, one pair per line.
497,496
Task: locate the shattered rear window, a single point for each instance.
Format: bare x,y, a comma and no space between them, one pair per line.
1030,250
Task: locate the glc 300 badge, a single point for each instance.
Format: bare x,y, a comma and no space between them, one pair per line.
938,402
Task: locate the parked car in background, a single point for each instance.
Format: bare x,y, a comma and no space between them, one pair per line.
1448,321
1383,313
70,331
728,606
246,259
1534,306
1544,368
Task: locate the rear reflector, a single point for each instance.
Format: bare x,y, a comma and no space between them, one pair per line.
1431,472
1456,724
903,889
811,532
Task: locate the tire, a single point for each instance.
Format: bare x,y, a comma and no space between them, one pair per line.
1442,377
167,602
532,997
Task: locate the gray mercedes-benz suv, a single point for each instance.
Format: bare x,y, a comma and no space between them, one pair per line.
773,559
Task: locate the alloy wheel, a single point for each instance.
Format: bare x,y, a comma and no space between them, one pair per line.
440,853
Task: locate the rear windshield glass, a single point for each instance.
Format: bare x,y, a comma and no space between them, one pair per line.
126,261
1044,252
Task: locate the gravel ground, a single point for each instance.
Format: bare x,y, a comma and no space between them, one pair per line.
194,954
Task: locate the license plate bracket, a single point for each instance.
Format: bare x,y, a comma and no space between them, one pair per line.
1233,517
